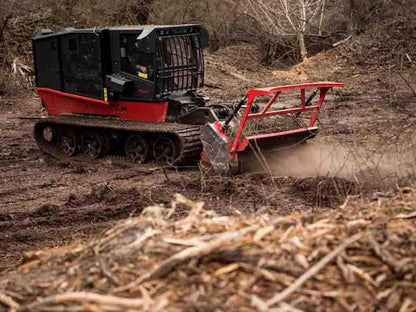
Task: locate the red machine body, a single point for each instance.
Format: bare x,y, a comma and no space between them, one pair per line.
61,103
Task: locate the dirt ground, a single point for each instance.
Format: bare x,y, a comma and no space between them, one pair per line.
364,148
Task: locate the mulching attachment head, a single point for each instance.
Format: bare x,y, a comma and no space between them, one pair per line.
225,144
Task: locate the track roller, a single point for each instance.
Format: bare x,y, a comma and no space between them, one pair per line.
137,149
165,150
67,141
94,145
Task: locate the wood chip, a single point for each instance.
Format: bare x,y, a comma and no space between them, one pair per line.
226,269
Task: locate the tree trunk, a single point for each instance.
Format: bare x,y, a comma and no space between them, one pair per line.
302,30
302,46
143,12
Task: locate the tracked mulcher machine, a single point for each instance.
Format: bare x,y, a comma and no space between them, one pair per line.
133,91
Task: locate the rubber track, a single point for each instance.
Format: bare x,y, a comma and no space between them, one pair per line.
188,135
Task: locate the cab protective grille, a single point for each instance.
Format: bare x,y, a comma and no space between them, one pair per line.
180,63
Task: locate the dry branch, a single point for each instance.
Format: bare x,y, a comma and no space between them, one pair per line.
79,297
342,41
406,215
8,301
107,273
312,271
408,84
385,256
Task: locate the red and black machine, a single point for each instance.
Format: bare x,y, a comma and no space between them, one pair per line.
134,91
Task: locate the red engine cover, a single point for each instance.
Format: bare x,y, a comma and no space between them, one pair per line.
58,103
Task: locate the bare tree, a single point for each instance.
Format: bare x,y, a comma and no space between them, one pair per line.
288,18
5,15
69,5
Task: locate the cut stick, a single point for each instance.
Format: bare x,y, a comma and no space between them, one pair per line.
107,273
90,297
406,216
342,41
385,256
8,301
408,84
312,271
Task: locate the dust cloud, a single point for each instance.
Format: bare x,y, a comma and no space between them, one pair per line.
338,160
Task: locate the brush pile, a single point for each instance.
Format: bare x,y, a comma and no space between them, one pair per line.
361,257
390,43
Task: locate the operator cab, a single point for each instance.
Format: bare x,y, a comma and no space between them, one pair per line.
155,62
128,63
133,61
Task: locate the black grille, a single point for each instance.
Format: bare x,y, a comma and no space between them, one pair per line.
180,63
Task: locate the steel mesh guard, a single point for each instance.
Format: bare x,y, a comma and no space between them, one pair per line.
181,65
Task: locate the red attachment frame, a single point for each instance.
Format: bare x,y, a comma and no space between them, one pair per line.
251,94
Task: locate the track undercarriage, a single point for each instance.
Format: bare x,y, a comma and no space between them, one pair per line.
138,142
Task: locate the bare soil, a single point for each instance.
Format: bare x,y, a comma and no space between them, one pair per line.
46,203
